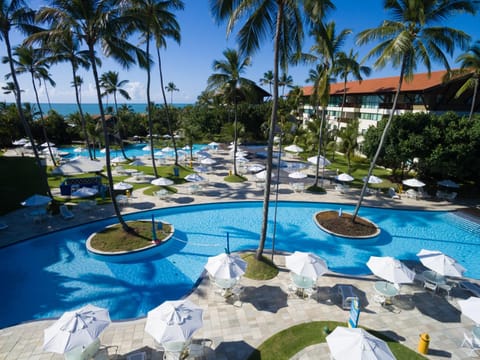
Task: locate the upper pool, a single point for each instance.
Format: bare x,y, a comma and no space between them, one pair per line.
47,275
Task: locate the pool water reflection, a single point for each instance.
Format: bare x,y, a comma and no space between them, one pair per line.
50,274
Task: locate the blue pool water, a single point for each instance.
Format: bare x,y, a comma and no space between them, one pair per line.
134,150
50,274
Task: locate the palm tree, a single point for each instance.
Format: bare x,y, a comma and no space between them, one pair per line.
232,86
33,61
469,62
264,18
171,87
154,20
285,81
347,64
93,22
349,141
267,80
410,39
110,83
16,14
324,52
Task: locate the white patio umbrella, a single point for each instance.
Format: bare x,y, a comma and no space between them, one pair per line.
20,142
207,161
344,177
194,178
226,266
471,308
84,192
293,148
373,179
439,262
36,200
390,269
213,144
174,321
320,159
203,154
76,328
118,160
357,344
122,186
306,264
200,169
448,183
78,165
167,149
413,183
255,168
262,175
161,181
297,175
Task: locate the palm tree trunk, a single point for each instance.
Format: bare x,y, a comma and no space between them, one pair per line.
42,122
122,148
344,98
320,143
80,111
149,108
167,112
380,145
474,99
271,133
235,136
125,227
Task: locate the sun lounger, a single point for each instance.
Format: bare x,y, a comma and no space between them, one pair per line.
66,214
473,288
347,294
393,194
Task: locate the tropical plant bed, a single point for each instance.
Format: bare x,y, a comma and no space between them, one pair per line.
114,240
342,224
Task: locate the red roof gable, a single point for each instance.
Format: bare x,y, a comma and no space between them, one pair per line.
419,82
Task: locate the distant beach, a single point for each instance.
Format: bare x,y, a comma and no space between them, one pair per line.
70,108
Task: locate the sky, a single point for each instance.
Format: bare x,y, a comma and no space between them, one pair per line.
189,64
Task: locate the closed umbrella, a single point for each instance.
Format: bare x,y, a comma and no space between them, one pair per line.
226,266
344,177
36,200
413,183
161,181
174,321
306,264
357,344
76,328
322,162
440,263
390,269
471,308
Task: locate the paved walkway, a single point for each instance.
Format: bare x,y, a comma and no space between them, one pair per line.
266,308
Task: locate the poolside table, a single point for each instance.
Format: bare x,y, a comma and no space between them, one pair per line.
434,277
386,289
302,282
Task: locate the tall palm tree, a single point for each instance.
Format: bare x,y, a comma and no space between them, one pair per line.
155,21
267,80
410,39
285,81
347,64
324,51
95,22
33,61
111,84
15,14
171,88
264,18
349,141
228,81
469,62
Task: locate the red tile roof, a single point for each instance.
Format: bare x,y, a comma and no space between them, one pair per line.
419,82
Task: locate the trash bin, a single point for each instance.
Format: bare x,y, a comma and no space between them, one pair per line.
230,172
176,171
423,343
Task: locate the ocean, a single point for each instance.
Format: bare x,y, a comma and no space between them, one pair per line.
70,108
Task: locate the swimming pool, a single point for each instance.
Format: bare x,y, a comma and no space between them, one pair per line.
50,274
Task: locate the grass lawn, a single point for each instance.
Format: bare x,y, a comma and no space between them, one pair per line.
286,343
259,270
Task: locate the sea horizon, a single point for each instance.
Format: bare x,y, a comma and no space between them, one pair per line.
65,109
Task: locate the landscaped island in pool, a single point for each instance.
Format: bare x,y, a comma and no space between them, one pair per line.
47,275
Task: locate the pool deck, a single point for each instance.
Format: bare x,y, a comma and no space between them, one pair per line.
265,307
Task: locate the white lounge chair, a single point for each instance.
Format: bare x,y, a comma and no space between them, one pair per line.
471,342
393,194
65,212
